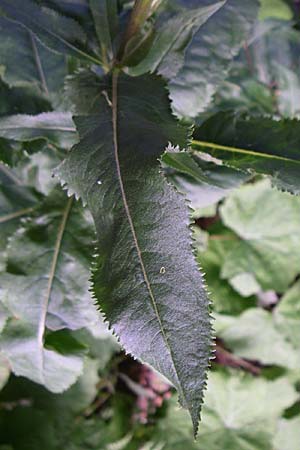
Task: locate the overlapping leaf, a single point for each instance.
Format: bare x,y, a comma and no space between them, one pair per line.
45,288
57,128
240,413
150,290
166,54
208,57
26,60
265,248
204,182
62,34
263,145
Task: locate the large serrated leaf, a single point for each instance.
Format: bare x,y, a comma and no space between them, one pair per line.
146,279
45,289
261,144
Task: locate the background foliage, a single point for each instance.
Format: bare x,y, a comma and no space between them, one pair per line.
74,387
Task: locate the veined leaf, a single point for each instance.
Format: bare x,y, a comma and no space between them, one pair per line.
203,182
26,60
265,249
46,289
208,57
240,412
57,32
146,279
264,145
57,128
167,50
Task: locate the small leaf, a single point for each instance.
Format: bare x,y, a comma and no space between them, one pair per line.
146,279
46,289
204,182
105,16
55,127
260,144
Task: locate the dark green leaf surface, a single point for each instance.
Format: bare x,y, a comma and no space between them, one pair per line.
264,145
54,127
16,201
62,34
208,57
26,60
146,279
46,288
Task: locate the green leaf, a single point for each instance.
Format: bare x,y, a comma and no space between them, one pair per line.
46,288
288,434
166,55
146,279
225,299
276,9
57,32
255,335
240,412
208,57
266,249
203,182
261,144
4,370
55,127
22,100
105,16
26,60
287,314
16,201
42,419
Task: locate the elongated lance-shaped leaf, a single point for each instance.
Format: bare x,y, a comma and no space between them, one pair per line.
166,54
146,280
260,144
203,182
45,289
208,57
55,127
105,14
62,34
26,60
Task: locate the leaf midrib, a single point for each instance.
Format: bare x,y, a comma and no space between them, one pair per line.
131,224
226,148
